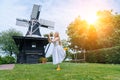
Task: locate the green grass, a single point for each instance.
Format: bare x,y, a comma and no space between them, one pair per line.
70,71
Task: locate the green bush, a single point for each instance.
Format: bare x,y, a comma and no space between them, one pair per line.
7,60
96,56
49,59
105,55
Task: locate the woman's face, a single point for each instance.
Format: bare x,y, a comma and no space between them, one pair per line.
56,34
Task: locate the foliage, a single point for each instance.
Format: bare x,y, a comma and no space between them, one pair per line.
7,60
115,40
105,55
104,33
105,28
49,59
77,32
69,71
7,41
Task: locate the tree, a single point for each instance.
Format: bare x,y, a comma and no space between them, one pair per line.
104,33
115,40
92,37
7,41
105,24
82,34
77,32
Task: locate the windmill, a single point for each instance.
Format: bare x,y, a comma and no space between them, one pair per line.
35,23
32,45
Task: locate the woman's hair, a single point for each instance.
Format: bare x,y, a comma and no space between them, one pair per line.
57,35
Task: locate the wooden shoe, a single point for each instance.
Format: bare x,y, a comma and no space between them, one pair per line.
58,69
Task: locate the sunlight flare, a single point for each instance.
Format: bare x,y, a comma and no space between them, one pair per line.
91,19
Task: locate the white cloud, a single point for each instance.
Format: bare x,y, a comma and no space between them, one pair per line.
9,12
62,12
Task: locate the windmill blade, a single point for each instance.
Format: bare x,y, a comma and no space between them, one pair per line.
22,22
46,24
35,12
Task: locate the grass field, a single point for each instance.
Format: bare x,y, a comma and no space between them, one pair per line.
70,71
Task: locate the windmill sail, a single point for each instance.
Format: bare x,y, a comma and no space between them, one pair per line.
35,12
22,22
46,24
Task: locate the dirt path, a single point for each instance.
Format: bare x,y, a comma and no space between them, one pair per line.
7,66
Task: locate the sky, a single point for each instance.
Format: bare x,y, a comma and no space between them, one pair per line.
62,12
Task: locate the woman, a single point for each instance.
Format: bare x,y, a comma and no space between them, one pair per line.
58,53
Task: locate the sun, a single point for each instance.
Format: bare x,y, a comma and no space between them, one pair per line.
91,19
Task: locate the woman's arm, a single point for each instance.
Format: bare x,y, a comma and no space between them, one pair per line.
49,39
55,39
